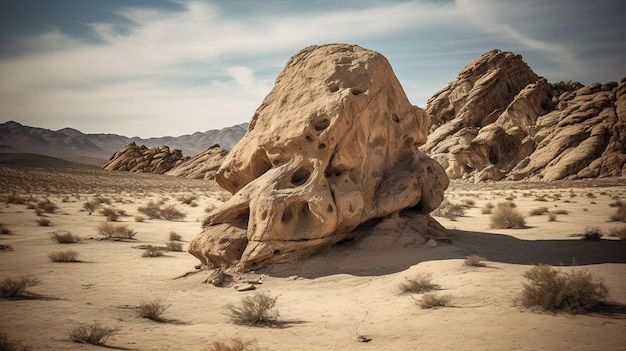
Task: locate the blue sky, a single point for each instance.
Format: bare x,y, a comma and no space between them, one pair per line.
157,68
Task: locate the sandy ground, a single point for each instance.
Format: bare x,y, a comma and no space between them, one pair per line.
324,301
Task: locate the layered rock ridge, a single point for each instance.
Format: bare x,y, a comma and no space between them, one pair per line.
499,120
333,145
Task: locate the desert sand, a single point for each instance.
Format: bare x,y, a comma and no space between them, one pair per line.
325,301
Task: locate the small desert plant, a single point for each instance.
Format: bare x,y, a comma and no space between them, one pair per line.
619,232
115,232
171,213
175,236
15,199
64,256
553,290
560,212
432,300
110,213
468,203
64,237
174,246
255,310
91,206
475,261
94,334
152,310
592,234
620,213
151,209
139,218
152,251
421,282
505,216
539,211
552,217
47,206
188,199
43,222
16,287
449,210
231,344
8,345
487,208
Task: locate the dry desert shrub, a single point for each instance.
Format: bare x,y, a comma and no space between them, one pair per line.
64,256
449,210
487,208
94,334
152,251
15,199
468,203
47,206
188,200
551,289
619,232
152,310
64,237
560,212
552,217
171,213
43,222
175,236
255,310
421,282
110,213
504,216
538,211
112,231
91,206
592,234
174,246
231,344
17,287
139,218
431,300
475,261
151,209
620,212
8,345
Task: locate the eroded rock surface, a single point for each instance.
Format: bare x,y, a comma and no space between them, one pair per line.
134,158
499,120
332,146
202,166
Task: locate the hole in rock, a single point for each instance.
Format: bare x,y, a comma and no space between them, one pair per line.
321,124
276,252
287,215
334,87
330,208
322,146
356,91
395,118
309,138
264,215
300,176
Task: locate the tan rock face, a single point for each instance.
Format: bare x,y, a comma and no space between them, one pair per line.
134,158
202,166
499,120
333,145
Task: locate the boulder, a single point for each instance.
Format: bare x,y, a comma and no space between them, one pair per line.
134,158
333,145
202,166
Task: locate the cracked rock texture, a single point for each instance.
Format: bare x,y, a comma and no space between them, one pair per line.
333,146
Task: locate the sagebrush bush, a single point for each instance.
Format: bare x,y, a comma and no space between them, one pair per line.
552,217
487,208
151,209
65,237
505,215
94,334
47,206
152,310
475,261
175,236
17,287
152,251
64,256
171,213
91,206
431,300
421,282
110,213
560,212
231,344
112,231
538,211
449,210
551,289
592,234
620,212
174,246
619,232
43,222
139,218
255,310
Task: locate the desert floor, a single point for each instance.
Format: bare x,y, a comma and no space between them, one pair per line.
324,301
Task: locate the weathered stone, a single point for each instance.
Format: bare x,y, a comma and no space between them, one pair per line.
135,158
333,145
201,166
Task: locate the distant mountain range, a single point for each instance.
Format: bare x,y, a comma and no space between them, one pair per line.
95,149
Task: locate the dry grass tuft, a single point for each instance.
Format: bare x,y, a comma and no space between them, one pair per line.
43,222
505,215
432,300
17,287
487,208
421,282
551,289
255,310
475,261
152,310
152,251
174,246
449,210
151,209
64,256
171,213
94,334
538,211
64,237
175,236
231,344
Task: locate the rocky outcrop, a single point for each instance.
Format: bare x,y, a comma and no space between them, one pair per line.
201,166
134,158
499,120
332,146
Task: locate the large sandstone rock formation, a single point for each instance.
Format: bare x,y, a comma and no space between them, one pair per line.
134,158
499,120
333,145
202,166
